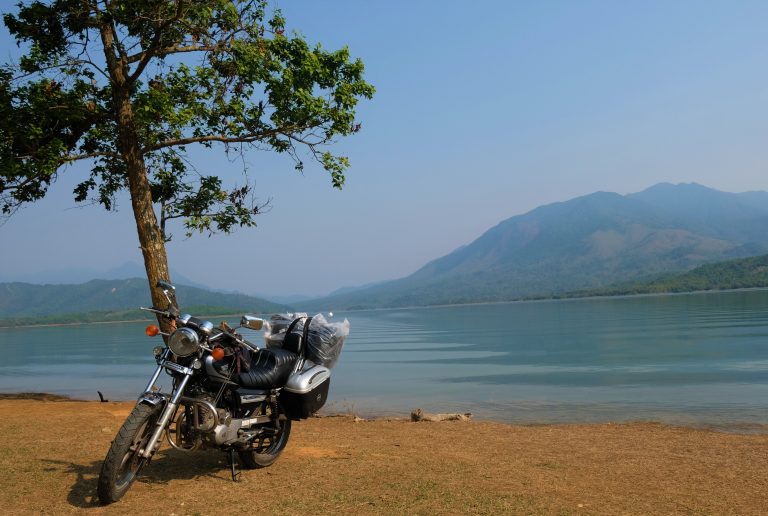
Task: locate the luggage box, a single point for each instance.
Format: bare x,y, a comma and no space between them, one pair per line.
306,392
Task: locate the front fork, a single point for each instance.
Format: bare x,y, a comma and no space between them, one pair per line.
170,406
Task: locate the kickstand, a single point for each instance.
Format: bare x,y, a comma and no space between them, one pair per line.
233,465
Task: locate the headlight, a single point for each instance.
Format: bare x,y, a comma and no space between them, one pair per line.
183,342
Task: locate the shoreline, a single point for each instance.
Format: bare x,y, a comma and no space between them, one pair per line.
125,321
735,427
553,298
52,325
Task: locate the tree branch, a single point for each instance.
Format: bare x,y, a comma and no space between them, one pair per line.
43,69
106,31
248,138
175,49
117,43
78,157
11,187
151,51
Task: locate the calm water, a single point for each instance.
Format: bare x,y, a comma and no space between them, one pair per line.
691,359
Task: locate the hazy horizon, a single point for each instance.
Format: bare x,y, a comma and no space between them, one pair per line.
480,115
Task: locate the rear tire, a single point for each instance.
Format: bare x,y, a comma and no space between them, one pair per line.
265,451
123,462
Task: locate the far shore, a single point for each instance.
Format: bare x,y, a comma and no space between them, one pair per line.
148,320
48,325
542,299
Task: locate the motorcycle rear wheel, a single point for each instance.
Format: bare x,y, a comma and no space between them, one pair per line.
265,451
123,461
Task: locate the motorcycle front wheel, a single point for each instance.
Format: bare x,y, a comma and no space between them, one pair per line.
123,461
265,450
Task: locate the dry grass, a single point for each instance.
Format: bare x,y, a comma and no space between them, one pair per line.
51,453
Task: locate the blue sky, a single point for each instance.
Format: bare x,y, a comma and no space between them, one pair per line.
483,111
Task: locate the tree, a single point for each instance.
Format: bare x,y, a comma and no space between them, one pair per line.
130,85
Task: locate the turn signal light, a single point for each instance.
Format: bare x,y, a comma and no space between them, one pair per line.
152,330
217,353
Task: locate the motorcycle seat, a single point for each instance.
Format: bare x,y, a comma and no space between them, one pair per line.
269,369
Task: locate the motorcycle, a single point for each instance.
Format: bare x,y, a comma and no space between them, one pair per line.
227,393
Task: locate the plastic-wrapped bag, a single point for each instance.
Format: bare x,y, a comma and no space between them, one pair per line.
324,340
274,335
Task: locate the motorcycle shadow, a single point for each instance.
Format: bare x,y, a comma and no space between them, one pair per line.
167,465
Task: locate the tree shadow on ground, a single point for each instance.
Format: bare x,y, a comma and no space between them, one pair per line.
167,465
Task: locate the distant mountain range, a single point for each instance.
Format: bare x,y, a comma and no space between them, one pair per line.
97,300
598,244
584,243
74,276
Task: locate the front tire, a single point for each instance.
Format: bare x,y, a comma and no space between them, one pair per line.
123,461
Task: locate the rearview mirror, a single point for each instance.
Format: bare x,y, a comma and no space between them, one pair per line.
251,322
165,285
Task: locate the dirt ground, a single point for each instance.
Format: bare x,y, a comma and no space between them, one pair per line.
51,452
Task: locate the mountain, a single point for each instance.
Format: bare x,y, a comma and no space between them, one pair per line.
287,299
349,290
739,216
81,275
26,301
584,243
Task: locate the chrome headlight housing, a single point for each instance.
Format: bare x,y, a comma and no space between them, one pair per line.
183,342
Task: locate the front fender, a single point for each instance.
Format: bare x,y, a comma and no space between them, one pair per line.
152,398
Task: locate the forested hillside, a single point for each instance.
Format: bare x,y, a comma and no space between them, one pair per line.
105,300
732,274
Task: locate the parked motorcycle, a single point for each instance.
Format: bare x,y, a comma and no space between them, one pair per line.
227,392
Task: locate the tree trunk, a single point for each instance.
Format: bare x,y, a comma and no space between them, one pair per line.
150,237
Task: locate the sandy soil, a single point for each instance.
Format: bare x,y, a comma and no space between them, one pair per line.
51,452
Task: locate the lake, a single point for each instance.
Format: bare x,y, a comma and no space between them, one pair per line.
684,359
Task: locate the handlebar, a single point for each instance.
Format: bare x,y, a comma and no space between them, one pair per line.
170,314
166,313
